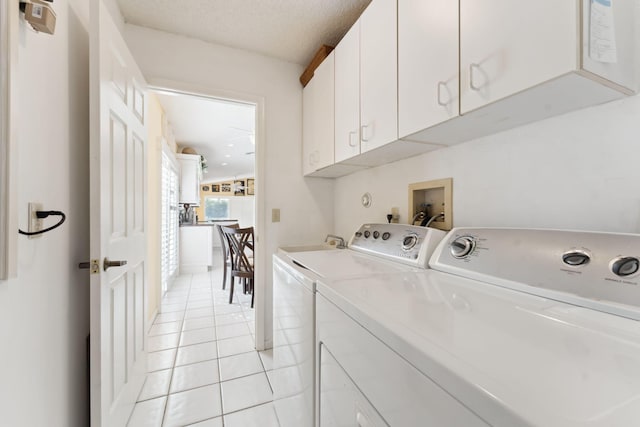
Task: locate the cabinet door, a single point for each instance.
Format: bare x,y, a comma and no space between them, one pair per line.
347,93
427,64
308,121
190,178
379,74
507,46
318,118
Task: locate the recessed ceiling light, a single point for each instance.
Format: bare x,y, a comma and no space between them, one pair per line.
229,145
225,164
227,155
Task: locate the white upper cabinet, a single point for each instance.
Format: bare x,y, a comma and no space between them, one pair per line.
416,75
347,81
427,64
379,74
507,46
190,175
521,62
318,118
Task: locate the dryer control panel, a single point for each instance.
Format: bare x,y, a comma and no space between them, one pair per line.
403,243
589,269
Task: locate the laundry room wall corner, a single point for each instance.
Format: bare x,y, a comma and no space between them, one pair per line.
44,311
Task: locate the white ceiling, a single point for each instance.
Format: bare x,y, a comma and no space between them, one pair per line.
291,30
222,131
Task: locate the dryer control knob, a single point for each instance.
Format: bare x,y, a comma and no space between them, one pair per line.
625,266
376,234
462,246
575,258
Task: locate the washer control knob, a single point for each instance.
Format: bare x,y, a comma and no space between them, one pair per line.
462,247
625,266
575,258
409,241
358,234
367,233
386,235
376,234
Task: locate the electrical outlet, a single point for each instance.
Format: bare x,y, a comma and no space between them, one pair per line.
35,223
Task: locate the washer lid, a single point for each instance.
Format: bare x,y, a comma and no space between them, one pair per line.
513,358
344,263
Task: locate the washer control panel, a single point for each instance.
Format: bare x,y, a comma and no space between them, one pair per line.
408,244
597,270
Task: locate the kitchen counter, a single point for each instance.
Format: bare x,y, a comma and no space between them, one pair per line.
196,249
213,222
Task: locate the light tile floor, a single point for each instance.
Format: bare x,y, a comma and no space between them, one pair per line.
202,367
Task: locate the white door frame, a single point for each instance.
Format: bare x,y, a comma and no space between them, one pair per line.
9,15
260,225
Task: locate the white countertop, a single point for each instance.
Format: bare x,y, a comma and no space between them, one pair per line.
513,358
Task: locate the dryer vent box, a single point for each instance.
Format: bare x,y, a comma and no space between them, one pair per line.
432,198
41,17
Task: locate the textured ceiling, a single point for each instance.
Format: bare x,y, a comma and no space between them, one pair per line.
291,30
221,131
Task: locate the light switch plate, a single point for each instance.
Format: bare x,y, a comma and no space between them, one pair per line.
275,215
35,223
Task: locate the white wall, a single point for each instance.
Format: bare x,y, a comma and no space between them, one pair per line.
242,209
306,204
44,316
576,171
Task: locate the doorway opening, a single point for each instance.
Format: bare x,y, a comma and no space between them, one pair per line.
222,134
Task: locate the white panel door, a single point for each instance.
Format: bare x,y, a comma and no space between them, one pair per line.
427,64
507,46
118,204
347,95
379,74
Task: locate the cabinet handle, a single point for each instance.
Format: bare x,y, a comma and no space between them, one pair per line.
440,85
472,67
363,133
353,143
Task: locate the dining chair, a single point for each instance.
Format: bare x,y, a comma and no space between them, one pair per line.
241,249
224,248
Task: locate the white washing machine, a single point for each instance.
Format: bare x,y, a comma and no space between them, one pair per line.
373,249
509,328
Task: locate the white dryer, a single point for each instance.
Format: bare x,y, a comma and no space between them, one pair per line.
373,249
509,328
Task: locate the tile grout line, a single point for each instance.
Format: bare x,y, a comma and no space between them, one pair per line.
217,348
175,356
215,296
